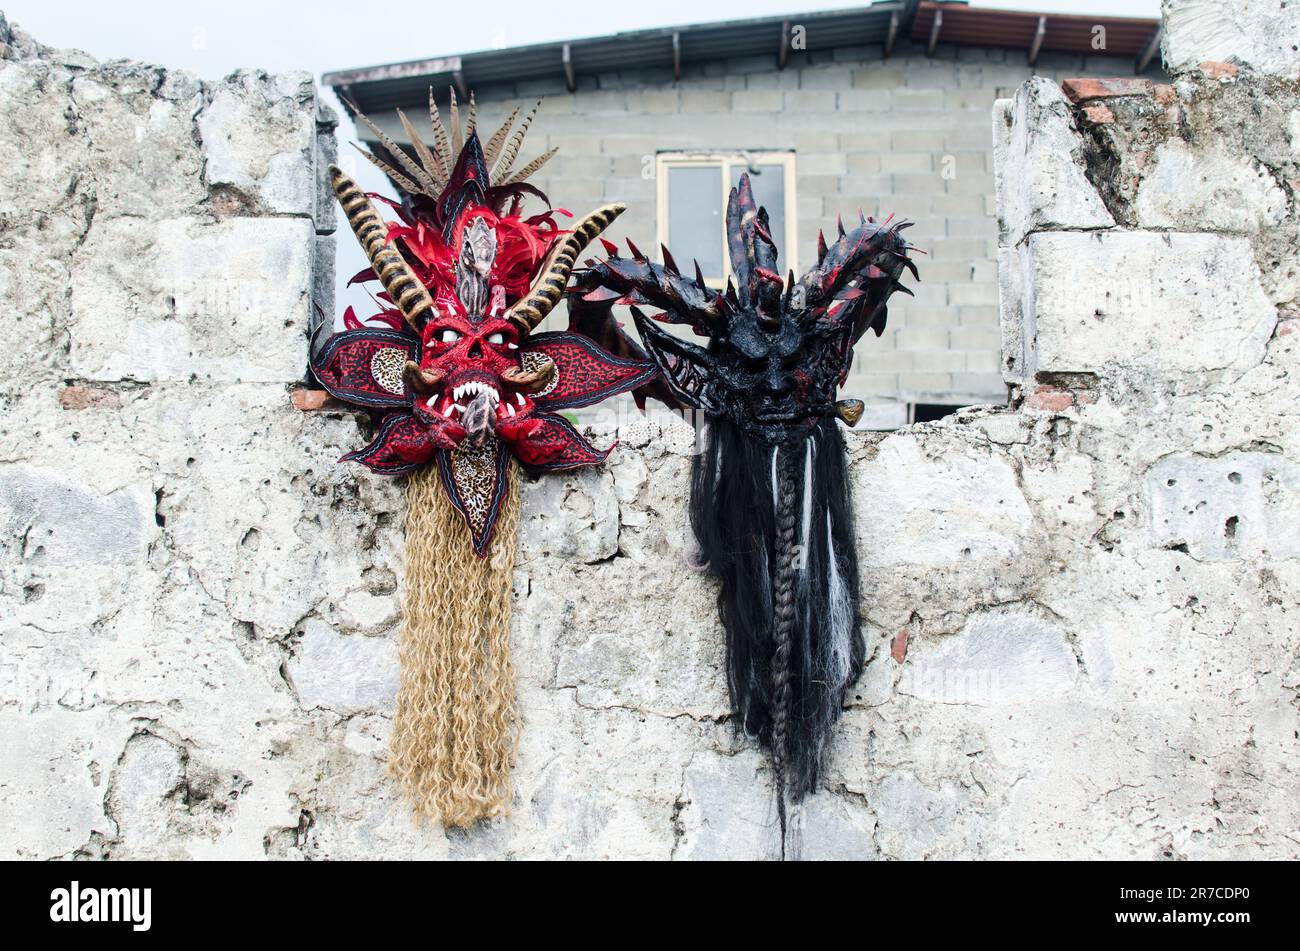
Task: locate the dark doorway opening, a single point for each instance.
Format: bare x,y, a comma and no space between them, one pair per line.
929,412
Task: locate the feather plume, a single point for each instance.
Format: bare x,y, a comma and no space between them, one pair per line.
531,167
512,148
427,185
400,180
440,140
431,166
493,147
457,142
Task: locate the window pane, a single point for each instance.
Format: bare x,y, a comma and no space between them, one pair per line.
695,217
768,183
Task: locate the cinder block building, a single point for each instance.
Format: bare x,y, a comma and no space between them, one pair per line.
883,109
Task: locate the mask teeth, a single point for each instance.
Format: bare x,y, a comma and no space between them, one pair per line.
473,389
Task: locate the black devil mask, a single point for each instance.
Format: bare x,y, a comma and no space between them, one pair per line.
777,349
770,502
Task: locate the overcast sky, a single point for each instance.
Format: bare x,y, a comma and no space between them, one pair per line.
213,37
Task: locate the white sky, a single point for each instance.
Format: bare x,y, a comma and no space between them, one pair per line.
213,37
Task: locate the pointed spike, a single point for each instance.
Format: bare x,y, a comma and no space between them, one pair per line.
839,225
821,247
789,281
610,247
669,263
862,219
699,277
636,252
472,123
899,287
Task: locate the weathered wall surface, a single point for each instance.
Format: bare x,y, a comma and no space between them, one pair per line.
1081,609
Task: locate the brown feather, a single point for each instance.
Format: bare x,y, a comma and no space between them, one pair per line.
431,166
411,168
531,167
493,147
457,143
440,141
400,180
512,147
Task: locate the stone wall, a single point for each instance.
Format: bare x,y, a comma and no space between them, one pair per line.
907,135
1080,609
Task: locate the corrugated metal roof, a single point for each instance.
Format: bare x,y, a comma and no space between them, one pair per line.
376,89
965,25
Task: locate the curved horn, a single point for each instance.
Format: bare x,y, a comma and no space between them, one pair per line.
394,273
531,309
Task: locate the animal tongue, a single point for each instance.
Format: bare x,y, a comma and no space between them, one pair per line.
479,419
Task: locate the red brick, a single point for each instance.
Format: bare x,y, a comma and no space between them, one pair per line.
1165,93
1099,114
898,646
89,397
1085,88
1218,70
312,400
1050,399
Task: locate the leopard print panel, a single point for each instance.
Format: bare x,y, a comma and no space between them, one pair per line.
386,367
474,471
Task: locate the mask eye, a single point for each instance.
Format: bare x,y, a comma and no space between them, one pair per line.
448,336
497,338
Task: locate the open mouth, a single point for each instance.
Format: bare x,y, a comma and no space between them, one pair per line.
453,404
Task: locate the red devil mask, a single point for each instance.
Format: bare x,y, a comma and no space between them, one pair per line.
450,366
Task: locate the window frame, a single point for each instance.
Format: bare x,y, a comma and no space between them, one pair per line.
727,161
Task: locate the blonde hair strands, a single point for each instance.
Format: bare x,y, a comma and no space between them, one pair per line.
454,728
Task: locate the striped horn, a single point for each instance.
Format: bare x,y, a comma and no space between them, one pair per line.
531,309
394,273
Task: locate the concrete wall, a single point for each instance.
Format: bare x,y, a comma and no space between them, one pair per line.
1080,609
908,135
